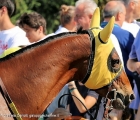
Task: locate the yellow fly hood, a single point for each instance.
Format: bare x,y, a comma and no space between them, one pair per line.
107,65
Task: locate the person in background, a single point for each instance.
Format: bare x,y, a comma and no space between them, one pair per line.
116,8
67,21
34,24
132,11
10,35
133,65
125,38
130,24
83,13
88,98
84,10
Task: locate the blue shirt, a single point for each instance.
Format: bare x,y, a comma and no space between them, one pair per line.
135,51
125,40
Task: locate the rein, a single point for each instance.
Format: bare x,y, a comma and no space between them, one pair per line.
11,106
61,106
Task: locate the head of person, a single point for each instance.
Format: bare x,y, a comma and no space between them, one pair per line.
115,8
34,25
67,14
84,9
7,7
132,9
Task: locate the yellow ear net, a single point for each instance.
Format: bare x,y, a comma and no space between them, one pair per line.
106,32
95,21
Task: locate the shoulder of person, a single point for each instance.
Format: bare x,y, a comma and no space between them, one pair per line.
126,33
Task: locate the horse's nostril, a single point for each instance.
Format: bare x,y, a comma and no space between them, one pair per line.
132,97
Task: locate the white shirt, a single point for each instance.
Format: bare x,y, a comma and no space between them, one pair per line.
131,27
12,38
136,22
134,29
49,35
61,30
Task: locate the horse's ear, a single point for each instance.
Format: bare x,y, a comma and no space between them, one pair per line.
106,32
95,21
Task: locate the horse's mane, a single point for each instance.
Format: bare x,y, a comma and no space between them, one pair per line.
39,43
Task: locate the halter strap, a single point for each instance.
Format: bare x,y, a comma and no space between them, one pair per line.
11,106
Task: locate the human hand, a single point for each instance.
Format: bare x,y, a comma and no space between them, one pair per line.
71,84
136,67
59,114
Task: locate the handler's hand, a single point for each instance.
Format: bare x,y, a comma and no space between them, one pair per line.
59,114
71,84
137,67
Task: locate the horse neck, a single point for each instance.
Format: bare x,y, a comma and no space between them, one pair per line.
41,70
58,52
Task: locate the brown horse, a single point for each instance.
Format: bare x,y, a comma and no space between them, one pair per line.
34,75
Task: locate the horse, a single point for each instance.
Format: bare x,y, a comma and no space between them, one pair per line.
35,74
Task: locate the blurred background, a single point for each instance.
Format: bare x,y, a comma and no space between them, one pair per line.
48,8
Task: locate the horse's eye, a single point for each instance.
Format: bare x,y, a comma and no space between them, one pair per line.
115,61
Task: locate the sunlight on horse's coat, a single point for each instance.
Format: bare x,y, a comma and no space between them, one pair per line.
34,75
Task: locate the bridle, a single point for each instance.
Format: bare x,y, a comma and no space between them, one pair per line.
108,107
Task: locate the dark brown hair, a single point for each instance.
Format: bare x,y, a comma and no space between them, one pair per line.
10,5
33,20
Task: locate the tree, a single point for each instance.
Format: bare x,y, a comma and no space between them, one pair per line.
23,6
48,9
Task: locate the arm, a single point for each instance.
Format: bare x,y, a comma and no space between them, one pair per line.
133,65
138,114
89,101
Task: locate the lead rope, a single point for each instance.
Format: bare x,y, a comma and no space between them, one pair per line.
98,103
11,106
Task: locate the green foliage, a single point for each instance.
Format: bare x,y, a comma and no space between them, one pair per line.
49,9
23,6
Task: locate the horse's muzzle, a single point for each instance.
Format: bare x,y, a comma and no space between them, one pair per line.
122,101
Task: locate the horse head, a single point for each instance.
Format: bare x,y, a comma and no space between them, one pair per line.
107,72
